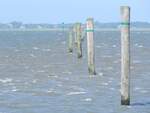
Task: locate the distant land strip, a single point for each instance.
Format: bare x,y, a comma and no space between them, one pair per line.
66,29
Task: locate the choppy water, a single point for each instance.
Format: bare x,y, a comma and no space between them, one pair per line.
37,75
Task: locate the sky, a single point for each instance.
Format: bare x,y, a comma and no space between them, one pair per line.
68,11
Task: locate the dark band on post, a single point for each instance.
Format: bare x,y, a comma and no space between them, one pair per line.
90,30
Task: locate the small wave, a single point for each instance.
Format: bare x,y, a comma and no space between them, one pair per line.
88,99
109,68
67,72
110,81
107,56
101,74
140,46
14,90
105,84
32,55
112,89
59,85
77,88
16,50
144,91
136,61
76,93
41,71
34,81
35,48
64,42
53,75
137,88
51,91
47,50
98,46
6,80
114,46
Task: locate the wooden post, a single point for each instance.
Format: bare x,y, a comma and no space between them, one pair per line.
79,42
125,55
90,46
83,33
75,34
70,42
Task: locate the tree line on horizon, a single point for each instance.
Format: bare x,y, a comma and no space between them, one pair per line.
20,25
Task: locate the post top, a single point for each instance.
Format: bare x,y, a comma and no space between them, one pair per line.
125,7
78,23
90,19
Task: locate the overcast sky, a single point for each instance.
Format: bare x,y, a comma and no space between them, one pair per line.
57,11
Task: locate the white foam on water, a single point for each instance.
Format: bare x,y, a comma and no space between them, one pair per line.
34,81
137,88
76,93
109,68
105,84
64,42
77,88
110,81
129,107
59,85
65,78
14,89
101,74
41,71
17,50
67,72
114,46
47,50
144,91
98,46
140,46
136,44
111,78
53,75
107,56
87,99
136,61
6,80
112,89
139,32
35,48
51,91
32,55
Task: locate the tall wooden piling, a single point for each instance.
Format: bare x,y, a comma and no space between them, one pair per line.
75,34
70,41
125,55
79,41
83,33
90,45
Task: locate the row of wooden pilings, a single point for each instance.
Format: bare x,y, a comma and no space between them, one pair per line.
76,36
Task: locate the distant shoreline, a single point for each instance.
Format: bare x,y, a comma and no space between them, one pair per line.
57,29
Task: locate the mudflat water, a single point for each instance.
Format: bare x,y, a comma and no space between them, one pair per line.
38,75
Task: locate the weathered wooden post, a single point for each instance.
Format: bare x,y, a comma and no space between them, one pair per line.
75,34
125,55
70,42
79,42
90,46
83,33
